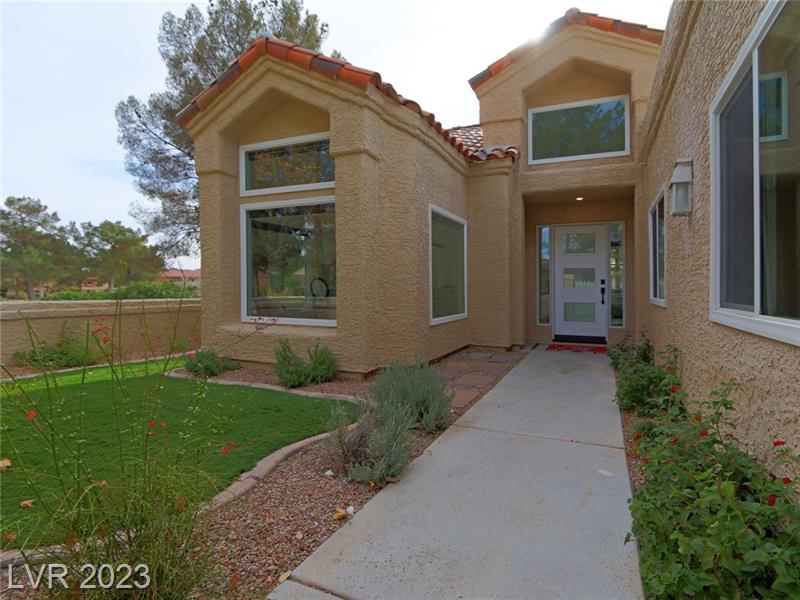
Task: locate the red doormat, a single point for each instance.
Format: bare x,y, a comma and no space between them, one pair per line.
577,348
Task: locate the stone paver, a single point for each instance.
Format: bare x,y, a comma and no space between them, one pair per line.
490,367
523,497
473,380
462,397
456,365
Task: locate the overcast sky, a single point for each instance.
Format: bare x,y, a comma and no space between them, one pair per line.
67,64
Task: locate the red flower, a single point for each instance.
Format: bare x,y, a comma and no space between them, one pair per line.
151,423
191,355
787,480
231,443
666,461
704,432
637,437
777,443
30,415
772,500
645,461
772,475
106,339
163,425
225,449
675,389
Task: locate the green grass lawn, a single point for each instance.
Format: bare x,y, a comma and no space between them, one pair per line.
251,423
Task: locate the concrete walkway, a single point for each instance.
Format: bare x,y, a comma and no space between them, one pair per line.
523,497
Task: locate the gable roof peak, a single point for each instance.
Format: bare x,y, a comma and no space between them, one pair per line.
573,16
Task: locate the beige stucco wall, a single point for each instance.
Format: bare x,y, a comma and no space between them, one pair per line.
390,167
140,326
710,34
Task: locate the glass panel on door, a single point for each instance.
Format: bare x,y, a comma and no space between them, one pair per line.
579,243
579,312
580,279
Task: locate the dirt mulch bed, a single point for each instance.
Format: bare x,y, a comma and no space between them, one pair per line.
629,420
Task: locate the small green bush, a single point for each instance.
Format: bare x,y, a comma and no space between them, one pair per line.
208,363
68,351
134,291
289,367
626,352
293,371
322,365
710,521
647,386
417,386
388,447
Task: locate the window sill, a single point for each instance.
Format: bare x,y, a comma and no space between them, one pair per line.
269,322
782,330
303,187
658,302
449,319
578,157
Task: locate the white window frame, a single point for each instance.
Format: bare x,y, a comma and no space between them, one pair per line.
784,77
432,208
626,152
785,330
301,187
243,210
651,215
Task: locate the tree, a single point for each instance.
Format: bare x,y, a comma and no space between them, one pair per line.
35,247
119,255
195,49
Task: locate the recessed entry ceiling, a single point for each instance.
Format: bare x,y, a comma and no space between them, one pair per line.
589,195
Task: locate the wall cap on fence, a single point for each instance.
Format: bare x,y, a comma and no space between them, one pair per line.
43,309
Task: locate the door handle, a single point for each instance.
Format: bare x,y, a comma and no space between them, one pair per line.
602,295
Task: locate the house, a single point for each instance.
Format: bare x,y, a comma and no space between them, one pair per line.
613,185
182,277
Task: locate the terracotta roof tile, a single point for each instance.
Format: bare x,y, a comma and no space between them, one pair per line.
572,17
333,69
471,137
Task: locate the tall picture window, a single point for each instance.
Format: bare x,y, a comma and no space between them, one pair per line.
756,182
448,240
289,267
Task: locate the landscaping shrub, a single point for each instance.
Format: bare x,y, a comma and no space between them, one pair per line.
625,352
710,521
417,386
646,386
289,367
388,447
69,350
322,365
293,371
208,363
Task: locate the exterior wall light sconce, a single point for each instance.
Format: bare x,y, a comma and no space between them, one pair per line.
681,188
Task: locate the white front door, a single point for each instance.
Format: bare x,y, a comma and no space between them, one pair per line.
580,276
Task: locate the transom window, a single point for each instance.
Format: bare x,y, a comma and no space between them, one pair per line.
579,130
289,266
286,165
756,182
448,266
657,236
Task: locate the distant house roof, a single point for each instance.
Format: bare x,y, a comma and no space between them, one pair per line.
469,135
333,69
180,273
572,17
